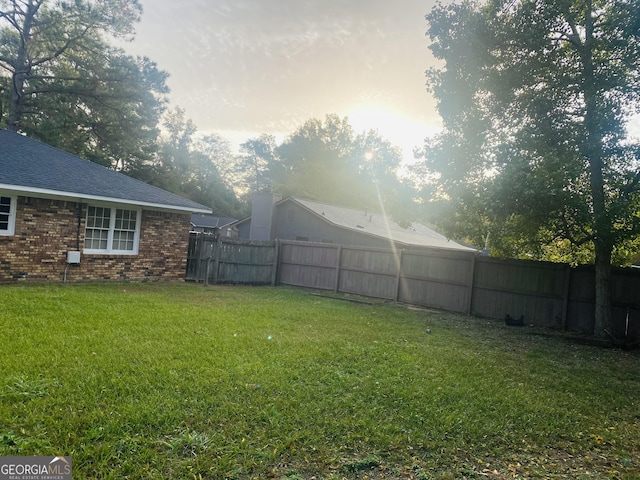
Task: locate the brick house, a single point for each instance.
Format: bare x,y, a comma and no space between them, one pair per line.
65,218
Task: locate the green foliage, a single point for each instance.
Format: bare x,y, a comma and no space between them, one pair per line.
108,112
188,164
534,98
63,83
314,160
254,168
183,381
327,161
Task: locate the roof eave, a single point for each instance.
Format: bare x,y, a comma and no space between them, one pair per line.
99,198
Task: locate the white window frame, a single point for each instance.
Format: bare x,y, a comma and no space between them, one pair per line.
11,227
112,223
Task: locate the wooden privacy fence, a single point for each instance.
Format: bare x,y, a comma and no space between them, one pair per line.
436,278
224,260
545,294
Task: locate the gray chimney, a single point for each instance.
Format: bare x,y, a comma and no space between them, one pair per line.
262,215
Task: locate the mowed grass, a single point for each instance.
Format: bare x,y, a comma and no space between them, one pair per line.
184,381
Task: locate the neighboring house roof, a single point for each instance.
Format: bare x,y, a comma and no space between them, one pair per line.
209,221
30,166
378,225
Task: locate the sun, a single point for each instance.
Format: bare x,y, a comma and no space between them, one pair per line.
398,128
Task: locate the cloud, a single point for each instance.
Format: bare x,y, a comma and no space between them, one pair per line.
269,65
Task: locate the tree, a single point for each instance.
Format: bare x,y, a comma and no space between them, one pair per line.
377,162
326,161
186,164
253,167
313,162
207,184
534,97
63,83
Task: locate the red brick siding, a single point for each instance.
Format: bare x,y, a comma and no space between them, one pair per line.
45,230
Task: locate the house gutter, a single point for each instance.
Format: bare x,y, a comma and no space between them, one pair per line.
75,197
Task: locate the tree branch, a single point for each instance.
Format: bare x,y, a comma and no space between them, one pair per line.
567,229
564,36
574,37
631,186
62,49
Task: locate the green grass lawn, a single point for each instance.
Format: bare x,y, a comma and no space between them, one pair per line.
184,381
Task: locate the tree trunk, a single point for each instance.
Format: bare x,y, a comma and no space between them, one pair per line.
21,69
15,104
601,221
603,244
603,327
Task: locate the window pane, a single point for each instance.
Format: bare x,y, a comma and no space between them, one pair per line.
5,213
123,240
98,217
124,231
96,239
125,219
97,231
5,208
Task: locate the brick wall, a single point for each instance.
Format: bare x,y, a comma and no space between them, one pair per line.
46,230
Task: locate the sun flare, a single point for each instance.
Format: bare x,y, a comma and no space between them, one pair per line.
401,130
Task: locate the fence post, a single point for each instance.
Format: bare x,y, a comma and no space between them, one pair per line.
216,258
276,262
399,274
565,296
206,260
336,287
200,245
472,275
207,264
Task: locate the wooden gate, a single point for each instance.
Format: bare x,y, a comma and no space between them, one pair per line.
213,259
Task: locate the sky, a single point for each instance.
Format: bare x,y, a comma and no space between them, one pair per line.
241,68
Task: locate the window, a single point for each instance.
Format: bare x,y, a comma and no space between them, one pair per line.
112,230
7,215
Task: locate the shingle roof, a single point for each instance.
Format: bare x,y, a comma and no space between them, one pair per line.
378,225
27,165
210,221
